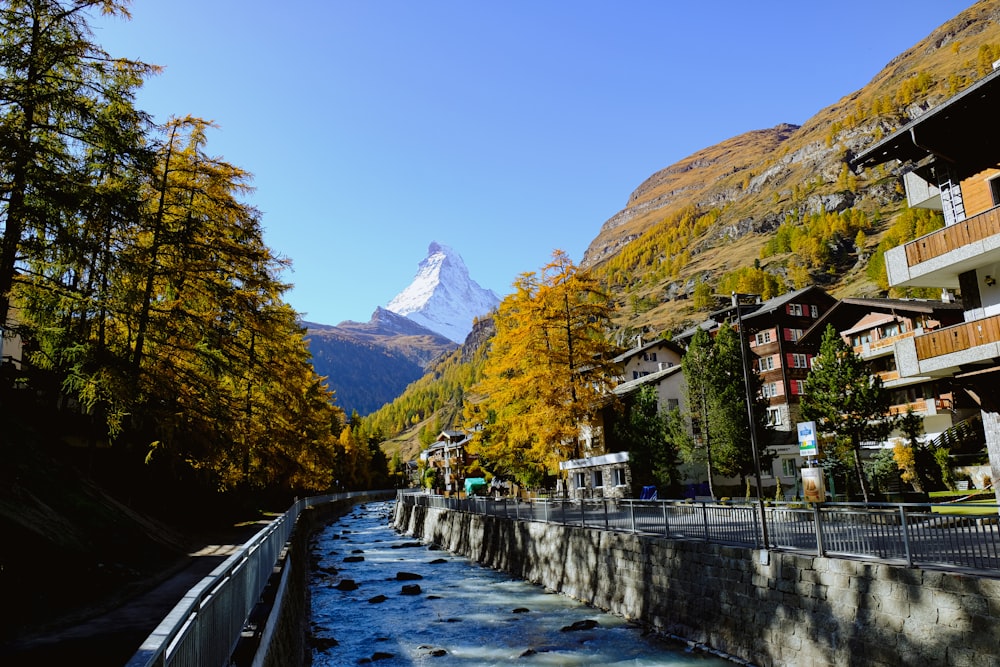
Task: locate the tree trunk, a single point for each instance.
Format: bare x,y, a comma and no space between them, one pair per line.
859,470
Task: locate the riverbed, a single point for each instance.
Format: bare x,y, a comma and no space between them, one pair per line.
379,597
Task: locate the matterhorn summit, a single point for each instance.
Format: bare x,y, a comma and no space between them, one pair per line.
443,297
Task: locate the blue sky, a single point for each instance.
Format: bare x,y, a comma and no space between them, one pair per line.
503,129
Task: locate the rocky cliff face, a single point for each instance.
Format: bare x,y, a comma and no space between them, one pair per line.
443,297
754,182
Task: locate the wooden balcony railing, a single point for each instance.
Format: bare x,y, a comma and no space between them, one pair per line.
958,337
881,343
918,407
955,236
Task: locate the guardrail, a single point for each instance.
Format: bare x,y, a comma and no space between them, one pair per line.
205,626
910,533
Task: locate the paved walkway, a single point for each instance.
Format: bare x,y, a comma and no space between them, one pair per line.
112,638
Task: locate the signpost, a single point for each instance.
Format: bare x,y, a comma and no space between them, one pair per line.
808,447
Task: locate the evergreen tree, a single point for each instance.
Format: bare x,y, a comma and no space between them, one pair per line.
60,98
697,361
653,437
846,401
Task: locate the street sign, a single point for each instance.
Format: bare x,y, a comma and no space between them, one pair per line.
808,447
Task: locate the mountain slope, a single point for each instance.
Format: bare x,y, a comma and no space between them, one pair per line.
712,213
716,213
443,297
369,364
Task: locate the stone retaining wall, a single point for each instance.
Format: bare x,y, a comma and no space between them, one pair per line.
795,610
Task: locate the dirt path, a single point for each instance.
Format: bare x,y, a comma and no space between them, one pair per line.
113,637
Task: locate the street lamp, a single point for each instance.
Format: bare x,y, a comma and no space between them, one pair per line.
737,304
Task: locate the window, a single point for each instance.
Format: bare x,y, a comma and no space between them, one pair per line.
598,479
765,363
774,417
673,403
795,309
800,361
619,476
794,334
649,356
789,468
995,190
769,389
798,387
763,337
814,312
581,480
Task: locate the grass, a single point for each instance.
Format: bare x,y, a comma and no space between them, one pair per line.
978,503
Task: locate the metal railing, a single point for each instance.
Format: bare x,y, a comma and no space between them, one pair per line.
205,626
910,533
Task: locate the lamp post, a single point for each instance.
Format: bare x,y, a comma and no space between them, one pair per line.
737,304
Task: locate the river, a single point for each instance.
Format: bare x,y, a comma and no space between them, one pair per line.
381,598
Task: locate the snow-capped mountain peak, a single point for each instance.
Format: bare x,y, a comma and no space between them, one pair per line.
443,297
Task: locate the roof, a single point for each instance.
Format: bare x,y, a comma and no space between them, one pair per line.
849,311
653,343
958,131
626,388
769,307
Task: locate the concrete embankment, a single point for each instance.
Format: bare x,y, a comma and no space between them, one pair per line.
792,610
286,631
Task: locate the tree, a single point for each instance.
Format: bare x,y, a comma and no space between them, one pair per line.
547,371
716,396
700,396
729,419
653,437
846,401
57,87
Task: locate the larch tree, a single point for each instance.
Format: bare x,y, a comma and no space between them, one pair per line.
547,372
56,88
845,400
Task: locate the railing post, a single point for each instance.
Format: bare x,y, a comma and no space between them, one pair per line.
583,511
818,527
631,512
604,501
666,521
704,518
904,524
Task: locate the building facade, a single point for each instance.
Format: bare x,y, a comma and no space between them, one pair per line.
950,159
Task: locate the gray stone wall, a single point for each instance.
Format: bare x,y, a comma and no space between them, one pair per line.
795,610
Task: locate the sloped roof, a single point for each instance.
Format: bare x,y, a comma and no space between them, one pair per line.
848,311
626,388
624,356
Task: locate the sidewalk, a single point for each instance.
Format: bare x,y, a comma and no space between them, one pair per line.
112,638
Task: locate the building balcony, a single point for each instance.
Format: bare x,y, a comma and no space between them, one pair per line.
946,351
881,347
937,259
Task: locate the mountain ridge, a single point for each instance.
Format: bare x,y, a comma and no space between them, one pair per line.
718,208
443,296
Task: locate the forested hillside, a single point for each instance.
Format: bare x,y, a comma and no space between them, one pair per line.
151,363
777,209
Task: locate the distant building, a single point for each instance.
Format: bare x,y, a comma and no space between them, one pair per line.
448,455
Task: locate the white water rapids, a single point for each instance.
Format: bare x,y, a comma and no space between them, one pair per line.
452,611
